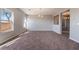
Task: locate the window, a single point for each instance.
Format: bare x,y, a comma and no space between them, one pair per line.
25,22
6,20
56,19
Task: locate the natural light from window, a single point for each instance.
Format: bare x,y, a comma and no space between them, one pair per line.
6,20
25,22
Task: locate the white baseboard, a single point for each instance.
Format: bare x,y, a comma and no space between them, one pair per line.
74,40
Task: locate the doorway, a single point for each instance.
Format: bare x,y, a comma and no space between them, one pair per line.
65,23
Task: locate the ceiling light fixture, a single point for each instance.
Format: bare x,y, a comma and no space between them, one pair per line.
29,9
41,16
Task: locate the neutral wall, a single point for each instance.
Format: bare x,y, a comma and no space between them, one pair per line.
74,24
36,23
18,25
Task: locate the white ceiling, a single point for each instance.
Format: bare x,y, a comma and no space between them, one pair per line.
42,11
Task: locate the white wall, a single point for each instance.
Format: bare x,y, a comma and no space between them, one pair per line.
74,24
35,23
18,25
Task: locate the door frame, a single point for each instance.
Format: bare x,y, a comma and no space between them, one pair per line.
61,21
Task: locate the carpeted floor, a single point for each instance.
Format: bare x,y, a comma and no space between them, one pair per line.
41,40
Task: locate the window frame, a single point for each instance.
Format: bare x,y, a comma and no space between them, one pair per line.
56,20
10,21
